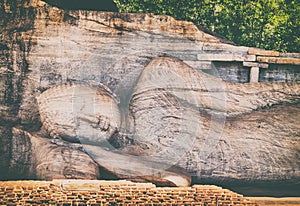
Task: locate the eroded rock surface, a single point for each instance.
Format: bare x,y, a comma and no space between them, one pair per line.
33,157
186,117
70,163
171,109
243,131
79,113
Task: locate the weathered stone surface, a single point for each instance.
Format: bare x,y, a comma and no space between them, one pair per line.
42,159
138,168
177,109
260,145
254,74
78,112
73,192
148,22
25,156
280,73
43,46
16,158
5,151
272,201
208,46
209,92
291,55
255,64
200,65
226,57
16,28
230,71
279,60
262,52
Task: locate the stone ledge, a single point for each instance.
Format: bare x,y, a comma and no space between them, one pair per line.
255,64
279,60
272,201
226,57
262,52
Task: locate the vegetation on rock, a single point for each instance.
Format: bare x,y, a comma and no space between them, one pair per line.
257,23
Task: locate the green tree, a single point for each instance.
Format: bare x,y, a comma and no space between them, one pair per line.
268,24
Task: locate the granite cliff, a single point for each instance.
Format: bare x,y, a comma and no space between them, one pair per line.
183,100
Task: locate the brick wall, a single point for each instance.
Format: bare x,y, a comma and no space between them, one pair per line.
96,192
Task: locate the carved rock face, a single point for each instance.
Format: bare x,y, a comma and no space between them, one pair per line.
179,118
77,112
219,127
169,107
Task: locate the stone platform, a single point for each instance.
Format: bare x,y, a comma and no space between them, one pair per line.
96,192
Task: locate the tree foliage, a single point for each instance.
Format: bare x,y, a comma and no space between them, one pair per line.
268,24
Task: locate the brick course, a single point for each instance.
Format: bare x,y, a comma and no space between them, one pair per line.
97,192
